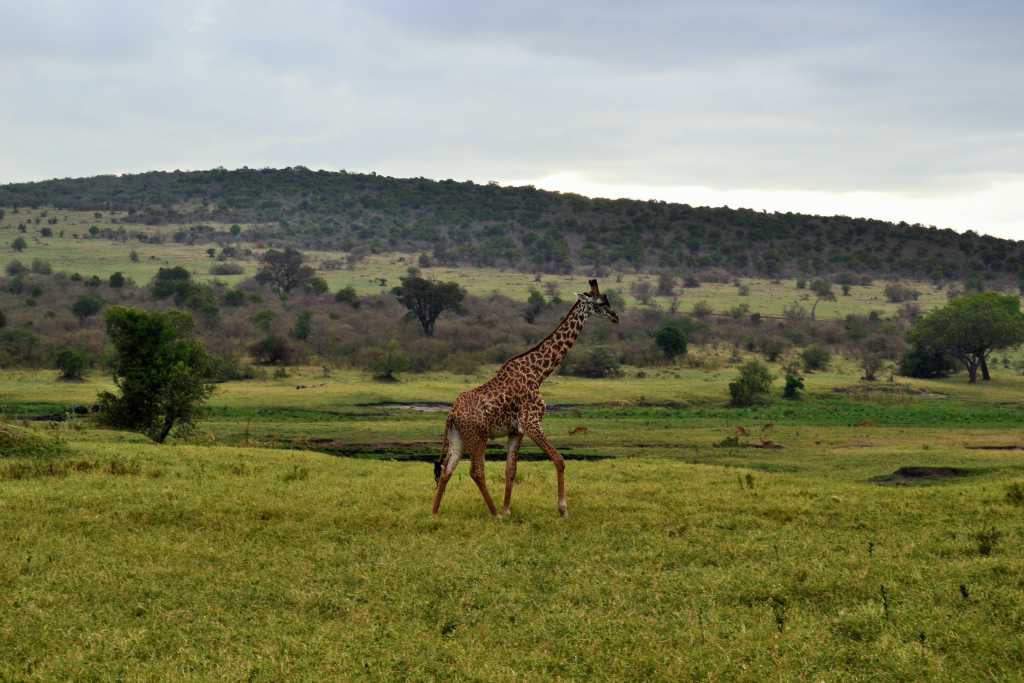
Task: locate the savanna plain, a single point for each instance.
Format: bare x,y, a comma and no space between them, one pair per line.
290,537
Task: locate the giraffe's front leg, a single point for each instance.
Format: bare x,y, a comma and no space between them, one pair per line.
514,441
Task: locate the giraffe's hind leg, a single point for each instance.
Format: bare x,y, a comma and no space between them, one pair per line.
514,441
451,461
478,451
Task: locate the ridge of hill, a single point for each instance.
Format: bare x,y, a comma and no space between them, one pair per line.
526,228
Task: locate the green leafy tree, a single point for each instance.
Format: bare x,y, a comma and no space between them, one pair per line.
822,292
752,386
87,306
535,304
19,244
816,357
284,270
347,295
427,300
72,364
303,325
671,338
388,362
970,328
160,370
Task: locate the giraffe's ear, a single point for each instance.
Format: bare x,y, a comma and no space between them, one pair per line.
594,291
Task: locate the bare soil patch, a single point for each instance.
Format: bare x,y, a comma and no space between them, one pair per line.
906,476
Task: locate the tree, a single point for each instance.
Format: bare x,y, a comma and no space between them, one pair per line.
823,292
971,327
666,285
72,364
752,385
303,325
347,295
671,340
643,292
284,270
160,370
19,244
86,307
271,350
535,304
925,362
388,361
427,300
116,280
16,268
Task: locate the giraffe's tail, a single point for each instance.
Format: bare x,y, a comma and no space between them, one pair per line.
439,463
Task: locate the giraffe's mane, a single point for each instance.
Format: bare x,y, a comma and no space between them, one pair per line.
541,342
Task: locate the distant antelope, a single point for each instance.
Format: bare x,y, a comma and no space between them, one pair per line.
741,431
577,430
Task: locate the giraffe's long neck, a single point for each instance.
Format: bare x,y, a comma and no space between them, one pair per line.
545,357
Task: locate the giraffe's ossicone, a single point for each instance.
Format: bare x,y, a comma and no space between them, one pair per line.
510,405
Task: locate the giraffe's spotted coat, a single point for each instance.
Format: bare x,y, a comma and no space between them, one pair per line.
510,405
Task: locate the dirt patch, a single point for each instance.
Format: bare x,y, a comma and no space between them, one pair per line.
906,476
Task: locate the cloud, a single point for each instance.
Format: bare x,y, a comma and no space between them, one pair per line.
798,99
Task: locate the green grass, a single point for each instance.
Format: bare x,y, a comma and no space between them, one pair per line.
221,557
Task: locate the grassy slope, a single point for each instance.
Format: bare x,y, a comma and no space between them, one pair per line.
103,257
199,561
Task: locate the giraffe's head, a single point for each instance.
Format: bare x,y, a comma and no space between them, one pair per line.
594,302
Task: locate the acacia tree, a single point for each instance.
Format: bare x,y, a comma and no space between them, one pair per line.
970,328
427,300
160,370
823,292
284,270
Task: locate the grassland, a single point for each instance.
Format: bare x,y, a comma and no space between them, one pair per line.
102,257
227,556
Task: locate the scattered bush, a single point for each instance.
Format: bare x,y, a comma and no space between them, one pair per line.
117,280
752,387
41,267
388,362
794,384
816,357
271,350
896,293
594,363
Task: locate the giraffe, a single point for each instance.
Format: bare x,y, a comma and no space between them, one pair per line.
510,404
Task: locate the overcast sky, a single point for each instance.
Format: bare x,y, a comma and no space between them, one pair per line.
898,110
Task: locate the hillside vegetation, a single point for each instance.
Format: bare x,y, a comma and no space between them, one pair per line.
525,228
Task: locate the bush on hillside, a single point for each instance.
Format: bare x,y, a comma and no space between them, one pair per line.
20,442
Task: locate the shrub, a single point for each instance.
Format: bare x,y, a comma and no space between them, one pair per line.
896,293
690,282
16,268
19,244
72,364
117,280
701,310
816,357
227,269
41,267
87,306
752,386
271,350
347,295
594,363
671,340
234,297
794,384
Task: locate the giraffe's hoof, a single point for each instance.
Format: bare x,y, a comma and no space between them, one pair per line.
564,512
504,514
